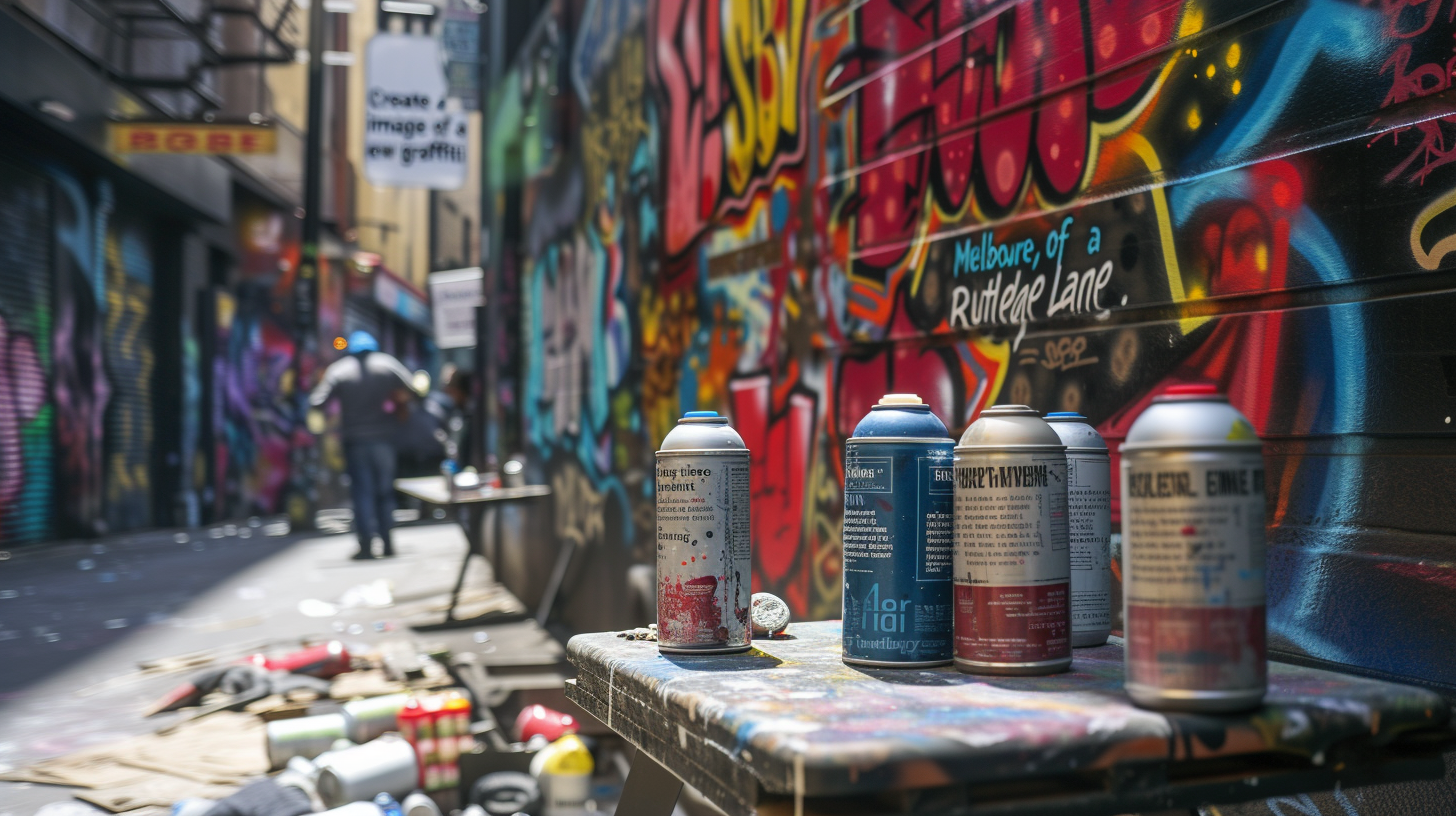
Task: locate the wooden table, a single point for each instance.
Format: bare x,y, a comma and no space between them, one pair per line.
788,728
434,490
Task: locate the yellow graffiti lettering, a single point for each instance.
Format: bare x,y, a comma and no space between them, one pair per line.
1432,260
763,48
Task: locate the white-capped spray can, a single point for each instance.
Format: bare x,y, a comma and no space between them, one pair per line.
1089,527
704,555
1193,554
1012,558
898,489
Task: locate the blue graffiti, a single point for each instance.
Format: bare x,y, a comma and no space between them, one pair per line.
1341,32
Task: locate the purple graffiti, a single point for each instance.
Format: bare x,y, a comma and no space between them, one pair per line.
22,393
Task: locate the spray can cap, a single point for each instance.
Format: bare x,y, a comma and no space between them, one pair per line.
901,400
1191,392
699,414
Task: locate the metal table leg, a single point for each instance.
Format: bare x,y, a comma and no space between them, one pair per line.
553,585
465,520
650,789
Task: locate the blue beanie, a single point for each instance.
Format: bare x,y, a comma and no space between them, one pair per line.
362,341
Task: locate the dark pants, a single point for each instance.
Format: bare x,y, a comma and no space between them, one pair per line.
371,483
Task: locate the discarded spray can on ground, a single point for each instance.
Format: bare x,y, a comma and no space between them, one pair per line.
305,737
419,803
386,764
1012,560
373,716
899,486
1193,554
1089,527
704,560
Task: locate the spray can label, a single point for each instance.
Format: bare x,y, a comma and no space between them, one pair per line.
898,528
1194,585
704,560
1012,576
1089,522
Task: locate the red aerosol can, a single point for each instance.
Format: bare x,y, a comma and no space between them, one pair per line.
1193,554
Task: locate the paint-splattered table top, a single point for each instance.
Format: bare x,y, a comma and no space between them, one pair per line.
789,720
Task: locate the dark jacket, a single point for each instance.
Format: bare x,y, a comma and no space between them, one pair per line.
367,386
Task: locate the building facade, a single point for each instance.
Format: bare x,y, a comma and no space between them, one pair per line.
152,354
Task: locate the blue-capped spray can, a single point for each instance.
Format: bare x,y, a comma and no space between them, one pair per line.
1089,526
899,485
704,555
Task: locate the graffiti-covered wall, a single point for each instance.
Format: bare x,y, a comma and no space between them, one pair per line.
27,414
782,209
90,364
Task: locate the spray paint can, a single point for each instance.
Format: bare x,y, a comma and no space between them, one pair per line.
305,737
373,716
704,559
362,772
899,486
1089,527
419,803
1193,554
1012,558
564,769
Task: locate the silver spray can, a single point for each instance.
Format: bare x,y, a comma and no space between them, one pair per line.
387,764
704,558
1012,559
1089,527
1193,554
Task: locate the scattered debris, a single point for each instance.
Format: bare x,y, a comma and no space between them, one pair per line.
314,608
648,632
207,759
376,594
264,798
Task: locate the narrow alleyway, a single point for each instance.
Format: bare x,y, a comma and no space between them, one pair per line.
76,620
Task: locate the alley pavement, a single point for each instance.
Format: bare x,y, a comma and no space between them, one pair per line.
77,619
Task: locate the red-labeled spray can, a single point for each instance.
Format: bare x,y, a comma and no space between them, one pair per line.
1012,557
704,556
1193,554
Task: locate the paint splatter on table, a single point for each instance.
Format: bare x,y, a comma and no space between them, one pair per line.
789,720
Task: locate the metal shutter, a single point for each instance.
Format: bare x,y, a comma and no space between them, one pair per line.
129,344
27,415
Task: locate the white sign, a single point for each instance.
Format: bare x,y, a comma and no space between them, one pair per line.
413,136
454,295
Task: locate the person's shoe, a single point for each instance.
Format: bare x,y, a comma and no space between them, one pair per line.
388,552
362,556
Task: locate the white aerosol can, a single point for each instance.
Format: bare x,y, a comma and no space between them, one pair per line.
1089,527
704,556
1012,563
1193,554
